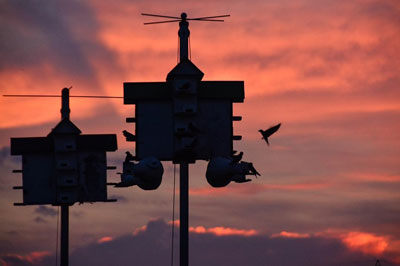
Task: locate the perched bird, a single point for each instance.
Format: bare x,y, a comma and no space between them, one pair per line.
129,157
237,158
267,133
129,136
253,170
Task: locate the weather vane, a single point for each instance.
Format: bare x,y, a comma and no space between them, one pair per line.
183,18
184,32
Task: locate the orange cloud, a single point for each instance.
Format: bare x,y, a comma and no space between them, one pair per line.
366,242
140,229
176,222
290,235
218,230
393,250
104,239
222,231
32,258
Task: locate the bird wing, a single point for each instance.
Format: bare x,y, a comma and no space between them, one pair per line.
271,130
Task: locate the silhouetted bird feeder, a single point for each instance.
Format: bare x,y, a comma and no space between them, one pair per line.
65,166
182,120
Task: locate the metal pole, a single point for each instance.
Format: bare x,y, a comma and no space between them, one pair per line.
65,111
64,234
183,39
184,215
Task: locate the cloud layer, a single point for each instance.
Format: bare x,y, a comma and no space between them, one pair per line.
151,245
328,70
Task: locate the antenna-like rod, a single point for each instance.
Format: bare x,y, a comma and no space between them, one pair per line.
183,34
65,111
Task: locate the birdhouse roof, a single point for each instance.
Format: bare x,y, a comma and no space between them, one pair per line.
65,126
185,68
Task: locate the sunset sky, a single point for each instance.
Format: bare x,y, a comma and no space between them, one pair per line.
329,71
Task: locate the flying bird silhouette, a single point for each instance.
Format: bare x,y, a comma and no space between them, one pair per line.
267,133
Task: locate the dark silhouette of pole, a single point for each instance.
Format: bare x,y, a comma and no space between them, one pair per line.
64,234
184,215
194,75
183,38
65,111
184,167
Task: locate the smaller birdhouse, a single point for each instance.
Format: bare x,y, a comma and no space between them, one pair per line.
65,166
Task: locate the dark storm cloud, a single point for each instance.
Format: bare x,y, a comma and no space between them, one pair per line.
57,33
7,164
386,10
40,220
78,214
379,216
12,233
6,155
15,260
152,247
46,211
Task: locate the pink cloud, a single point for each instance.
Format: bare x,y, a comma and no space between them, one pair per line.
104,239
222,231
217,230
140,229
34,258
290,235
366,242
